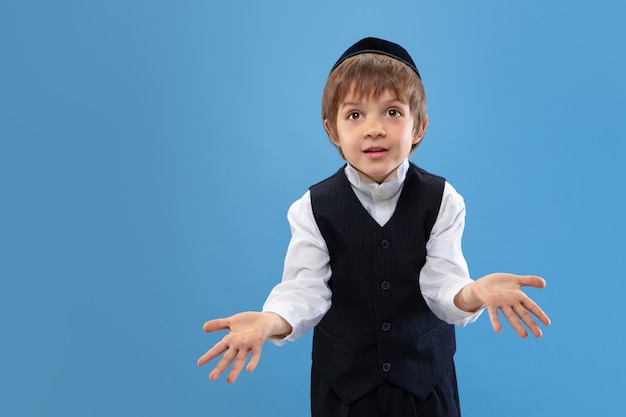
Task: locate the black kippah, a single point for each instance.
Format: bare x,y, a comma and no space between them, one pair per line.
378,46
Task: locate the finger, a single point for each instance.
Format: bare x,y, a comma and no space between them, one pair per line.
528,320
513,320
254,361
531,281
495,320
224,363
531,306
215,325
237,366
213,353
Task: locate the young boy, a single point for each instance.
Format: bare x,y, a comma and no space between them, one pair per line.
375,262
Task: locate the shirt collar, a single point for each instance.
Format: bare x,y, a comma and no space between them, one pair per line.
377,192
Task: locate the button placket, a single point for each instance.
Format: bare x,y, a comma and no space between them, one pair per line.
385,287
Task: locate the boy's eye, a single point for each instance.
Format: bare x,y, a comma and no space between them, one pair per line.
393,113
354,115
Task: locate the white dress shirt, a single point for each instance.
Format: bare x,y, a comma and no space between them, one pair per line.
303,296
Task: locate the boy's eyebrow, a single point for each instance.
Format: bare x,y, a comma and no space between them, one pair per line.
357,103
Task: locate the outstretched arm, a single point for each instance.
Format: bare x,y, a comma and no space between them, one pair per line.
501,291
247,333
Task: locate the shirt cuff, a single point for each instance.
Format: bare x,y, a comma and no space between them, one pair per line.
445,309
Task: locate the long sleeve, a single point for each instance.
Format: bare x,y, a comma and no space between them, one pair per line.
445,272
303,296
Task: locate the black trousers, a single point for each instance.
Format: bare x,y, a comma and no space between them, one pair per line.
387,400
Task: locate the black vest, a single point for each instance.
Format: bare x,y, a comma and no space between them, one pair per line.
379,326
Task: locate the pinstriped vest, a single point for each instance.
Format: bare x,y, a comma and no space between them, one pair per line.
379,326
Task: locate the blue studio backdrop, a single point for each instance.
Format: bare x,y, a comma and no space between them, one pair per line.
149,151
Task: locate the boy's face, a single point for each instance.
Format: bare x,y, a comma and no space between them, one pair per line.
375,134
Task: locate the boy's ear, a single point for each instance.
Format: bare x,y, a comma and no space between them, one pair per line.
329,132
422,130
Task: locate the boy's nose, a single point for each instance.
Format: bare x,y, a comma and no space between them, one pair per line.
374,128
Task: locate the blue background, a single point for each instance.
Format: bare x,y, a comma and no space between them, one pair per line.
150,150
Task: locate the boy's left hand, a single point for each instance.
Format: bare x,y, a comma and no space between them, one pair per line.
502,291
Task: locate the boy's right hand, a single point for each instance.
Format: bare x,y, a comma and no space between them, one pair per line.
248,332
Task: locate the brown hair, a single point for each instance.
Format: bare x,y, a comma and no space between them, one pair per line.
373,74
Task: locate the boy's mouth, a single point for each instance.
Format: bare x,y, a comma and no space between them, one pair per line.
375,149
375,152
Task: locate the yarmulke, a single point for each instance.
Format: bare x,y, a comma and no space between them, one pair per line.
378,46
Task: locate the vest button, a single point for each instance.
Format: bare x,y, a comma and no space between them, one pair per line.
386,367
385,285
385,244
386,326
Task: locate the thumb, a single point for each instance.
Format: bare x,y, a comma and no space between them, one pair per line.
531,281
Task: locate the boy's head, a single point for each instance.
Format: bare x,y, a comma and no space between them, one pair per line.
369,68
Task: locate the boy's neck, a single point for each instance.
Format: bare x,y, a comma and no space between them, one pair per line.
392,177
